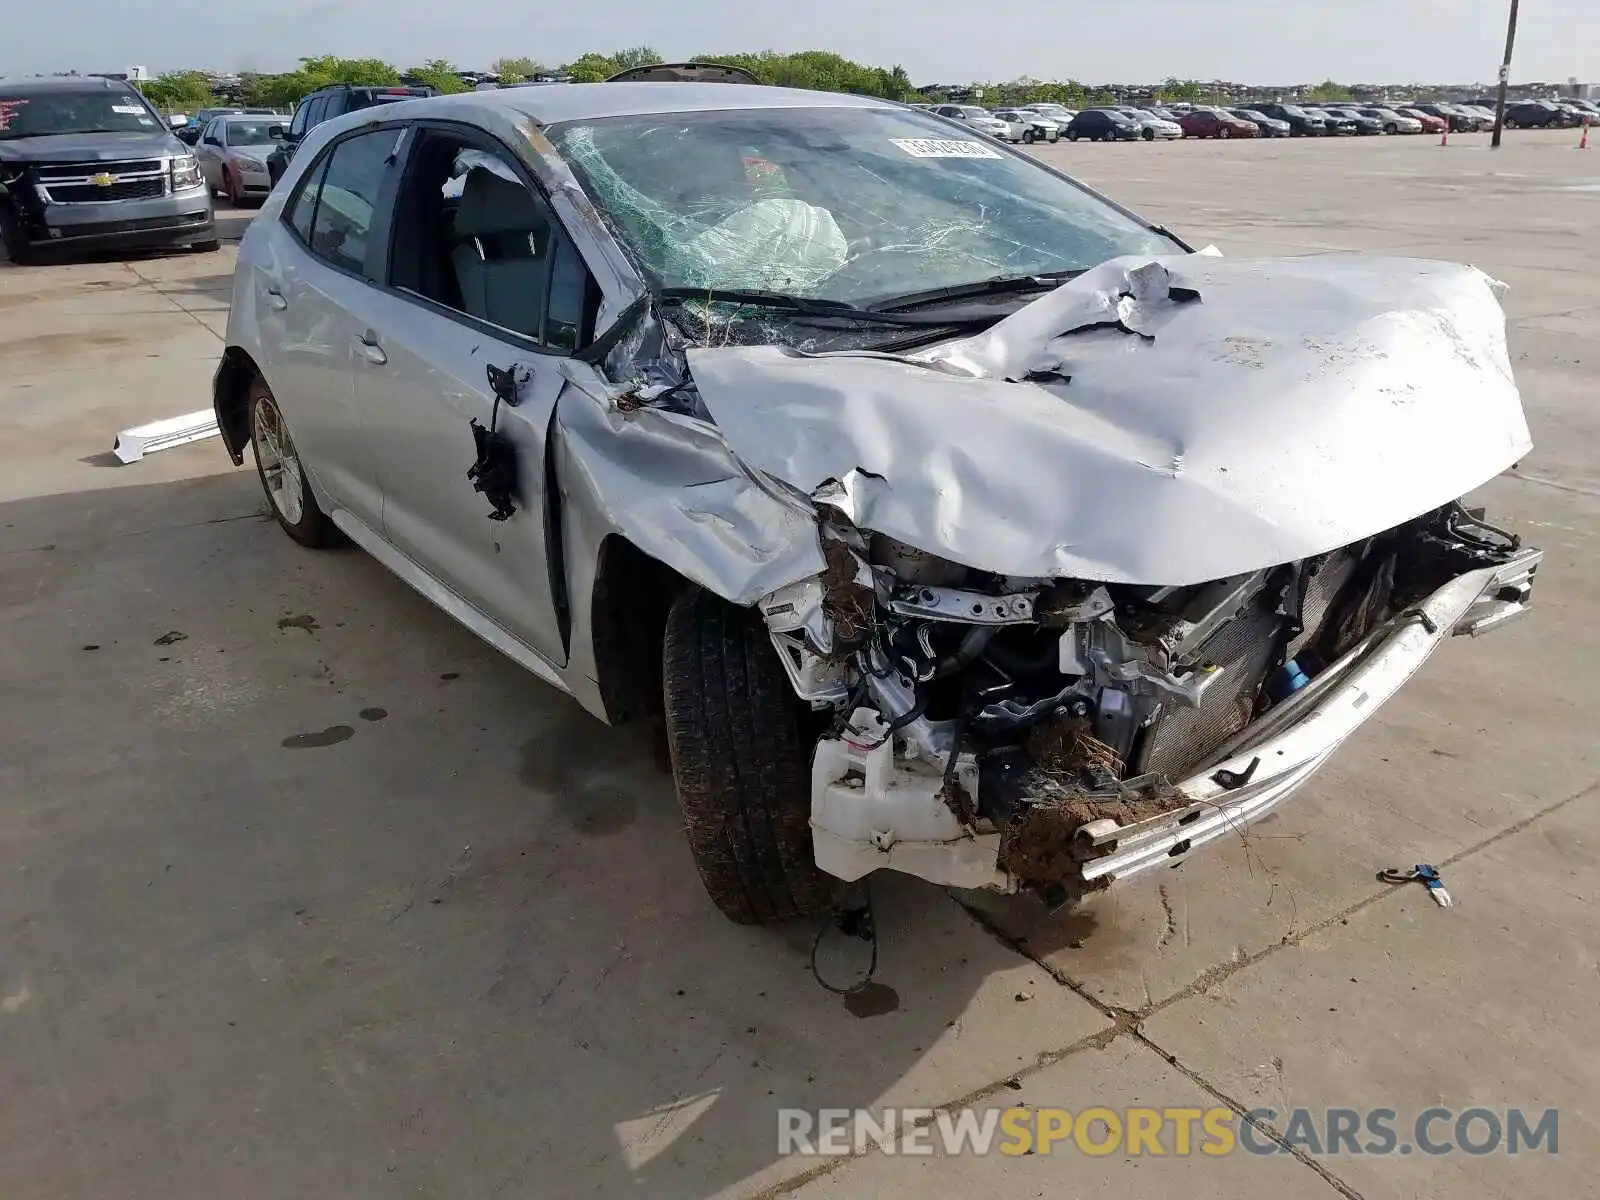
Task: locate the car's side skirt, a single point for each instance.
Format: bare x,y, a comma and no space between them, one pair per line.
513,647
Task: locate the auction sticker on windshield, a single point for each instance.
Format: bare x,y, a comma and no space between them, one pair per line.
944,148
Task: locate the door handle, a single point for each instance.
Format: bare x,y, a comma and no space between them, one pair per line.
370,349
275,299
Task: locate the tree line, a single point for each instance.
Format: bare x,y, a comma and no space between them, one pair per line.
819,70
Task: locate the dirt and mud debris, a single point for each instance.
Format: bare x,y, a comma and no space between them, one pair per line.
1069,745
1076,779
847,603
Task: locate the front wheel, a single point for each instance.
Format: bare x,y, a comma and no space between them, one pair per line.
741,758
1224,132
1072,135
1391,128
283,475
1149,135
1027,137
17,247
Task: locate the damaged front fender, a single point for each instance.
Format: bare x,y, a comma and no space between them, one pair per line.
670,485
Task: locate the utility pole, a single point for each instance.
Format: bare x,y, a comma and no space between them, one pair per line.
1505,76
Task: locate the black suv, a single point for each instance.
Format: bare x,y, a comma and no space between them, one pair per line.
1536,114
333,101
1301,123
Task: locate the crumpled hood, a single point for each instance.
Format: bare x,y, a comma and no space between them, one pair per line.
91,147
1166,421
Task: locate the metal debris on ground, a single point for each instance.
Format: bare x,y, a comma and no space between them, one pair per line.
1424,874
133,444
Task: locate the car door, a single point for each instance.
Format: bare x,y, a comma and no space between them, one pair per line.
482,276
316,267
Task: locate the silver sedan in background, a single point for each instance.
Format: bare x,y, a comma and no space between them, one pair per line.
233,155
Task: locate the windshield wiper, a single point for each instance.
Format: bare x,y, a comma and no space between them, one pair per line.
1000,286
808,306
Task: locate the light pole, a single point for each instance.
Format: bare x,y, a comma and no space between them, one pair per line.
1505,76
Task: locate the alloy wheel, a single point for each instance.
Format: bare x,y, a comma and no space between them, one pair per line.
280,465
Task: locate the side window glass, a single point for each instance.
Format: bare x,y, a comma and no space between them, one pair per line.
297,124
349,191
314,110
569,297
474,237
304,206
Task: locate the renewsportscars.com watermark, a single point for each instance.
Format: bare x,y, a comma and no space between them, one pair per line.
1175,1132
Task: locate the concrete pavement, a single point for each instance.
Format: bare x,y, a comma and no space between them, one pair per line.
323,897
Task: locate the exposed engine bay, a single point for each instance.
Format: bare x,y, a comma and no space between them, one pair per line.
998,731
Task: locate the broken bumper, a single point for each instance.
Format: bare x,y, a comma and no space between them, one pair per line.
1289,745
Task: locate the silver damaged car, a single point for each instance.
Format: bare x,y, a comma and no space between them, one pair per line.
950,518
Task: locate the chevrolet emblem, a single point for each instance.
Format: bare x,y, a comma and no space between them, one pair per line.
104,179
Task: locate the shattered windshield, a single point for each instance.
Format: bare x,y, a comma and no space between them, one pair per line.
856,205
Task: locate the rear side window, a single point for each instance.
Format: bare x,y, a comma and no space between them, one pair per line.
305,202
342,192
302,115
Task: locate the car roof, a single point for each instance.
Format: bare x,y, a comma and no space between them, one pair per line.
592,101
65,83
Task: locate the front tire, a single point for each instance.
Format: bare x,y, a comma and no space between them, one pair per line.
19,250
1028,137
1072,135
1224,132
283,475
741,758
1149,135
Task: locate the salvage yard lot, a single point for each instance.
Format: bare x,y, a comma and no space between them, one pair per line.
305,892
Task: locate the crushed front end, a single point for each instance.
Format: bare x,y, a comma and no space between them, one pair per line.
1061,735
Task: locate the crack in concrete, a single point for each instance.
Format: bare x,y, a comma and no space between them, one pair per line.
155,286
1129,1021
1265,1127
1215,975
1576,488
1171,930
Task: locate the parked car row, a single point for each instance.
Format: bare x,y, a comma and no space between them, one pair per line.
1126,123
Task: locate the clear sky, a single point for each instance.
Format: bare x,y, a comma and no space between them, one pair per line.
1252,41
